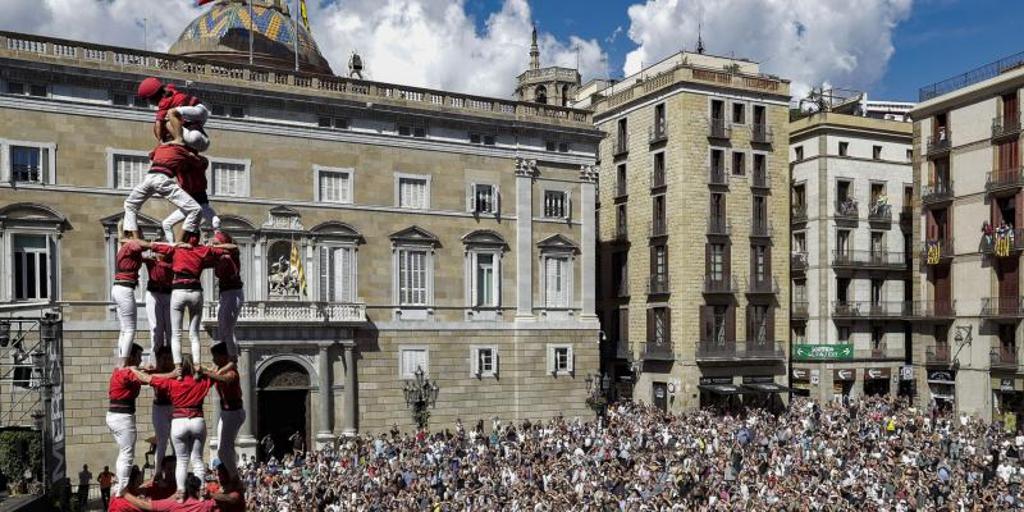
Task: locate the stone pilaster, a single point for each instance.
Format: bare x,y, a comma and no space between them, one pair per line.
324,434
588,242
525,171
246,442
348,419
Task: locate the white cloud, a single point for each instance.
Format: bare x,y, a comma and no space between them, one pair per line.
807,41
427,43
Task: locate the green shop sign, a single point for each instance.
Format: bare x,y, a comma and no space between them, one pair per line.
840,351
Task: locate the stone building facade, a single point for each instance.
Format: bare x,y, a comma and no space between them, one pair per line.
851,239
967,170
434,230
693,241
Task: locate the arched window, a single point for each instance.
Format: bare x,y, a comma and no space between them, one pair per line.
540,94
565,95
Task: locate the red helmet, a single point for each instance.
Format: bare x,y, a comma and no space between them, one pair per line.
149,87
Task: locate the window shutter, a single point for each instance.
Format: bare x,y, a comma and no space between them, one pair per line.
474,279
771,325
497,200
751,325
549,279
727,262
325,284
474,363
571,361
551,359
471,198
343,269
668,326
494,361
650,326
568,205
730,324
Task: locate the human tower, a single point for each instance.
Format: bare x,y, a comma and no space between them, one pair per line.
179,381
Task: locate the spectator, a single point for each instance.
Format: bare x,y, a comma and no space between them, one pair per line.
84,480
105,479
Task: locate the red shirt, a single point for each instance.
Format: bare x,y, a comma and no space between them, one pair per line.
161,397
124,387
187,394
228,271
190,505
127,262
185,165
230,392
175,99
230,507
188,263
158,492
119,504
160,275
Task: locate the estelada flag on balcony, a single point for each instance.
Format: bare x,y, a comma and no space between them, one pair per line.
296,263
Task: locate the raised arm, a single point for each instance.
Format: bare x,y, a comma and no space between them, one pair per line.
146,378
216,375
139,503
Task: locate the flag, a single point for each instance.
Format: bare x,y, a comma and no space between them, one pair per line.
202,2
305,15
296,263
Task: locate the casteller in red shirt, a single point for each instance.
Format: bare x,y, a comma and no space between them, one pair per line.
127,263
160,275
187,394
230,392
173,98
123,390
190,505
119,504
188,263
188,167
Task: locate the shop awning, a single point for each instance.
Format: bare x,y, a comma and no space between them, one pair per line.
767,387
721,389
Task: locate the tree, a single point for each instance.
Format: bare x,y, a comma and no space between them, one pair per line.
20,450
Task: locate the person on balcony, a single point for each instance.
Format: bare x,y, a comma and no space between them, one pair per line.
987,234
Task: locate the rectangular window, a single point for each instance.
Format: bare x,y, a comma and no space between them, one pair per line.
660,226
15,88
556,272
739,163
719,317
485,362
844,148
620,183
659,333
555,204
337,274
759,324
716,267
910,155
798,153
129,170
739,113
335,186
876,291
413,193
412,277
237,111
658,175
843,241
229,179
30,164
486,295
620,273
659,121
411,359
550,145
563,147
31,267
844,334
483,198
760,263
560,359
876,152
406,130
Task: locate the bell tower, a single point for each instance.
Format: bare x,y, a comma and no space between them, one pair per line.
552,85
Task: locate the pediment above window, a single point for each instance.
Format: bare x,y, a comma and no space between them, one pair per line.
558,243
32,215
235,225
283,218
337,230
149,226
485,238
415,235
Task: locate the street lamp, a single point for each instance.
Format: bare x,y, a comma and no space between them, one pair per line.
420,395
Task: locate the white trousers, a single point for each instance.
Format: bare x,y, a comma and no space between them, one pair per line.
127,314
162,430
158,312
227,431
122,426
206,212
227,316
166,187
181,301
195,139
188,436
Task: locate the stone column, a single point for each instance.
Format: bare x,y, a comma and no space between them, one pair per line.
588,243
246,442
524,237
348,419
324,433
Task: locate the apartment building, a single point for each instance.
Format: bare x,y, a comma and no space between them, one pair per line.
852,187
969,214
693,217
445,232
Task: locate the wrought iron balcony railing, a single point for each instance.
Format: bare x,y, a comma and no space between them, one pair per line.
761,134
657,133
718,176
760,179
719,226
931,310
938,355
1006,126
799,213
658,351
1004,358
801,310
869,309
719,128
739,351
621,146
847,210
659,227
880,260
937,193
761,228
658,284
1004,180
1003,242
1002,308
724,284
290,312
769,286
798,261
939,145
880,213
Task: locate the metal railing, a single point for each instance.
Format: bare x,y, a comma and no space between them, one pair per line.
621,190
725,351
1004,179
937,192
658,177
621,231
801,309
934,252
760,178
761,228
658,284
719,128
658,351
761,134
1004,357
1002,307
1003,243
659,227
621,145
869,259
973,76
880,213
1006,126
763,286
799,213
717,175
719,226
870,309
293,311
907,215
937,355
657,133
725,285
847,210
931,309
798,261
939,145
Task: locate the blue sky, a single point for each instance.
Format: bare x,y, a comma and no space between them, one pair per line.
941,38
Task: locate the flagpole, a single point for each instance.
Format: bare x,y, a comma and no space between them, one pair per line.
295,22
252,25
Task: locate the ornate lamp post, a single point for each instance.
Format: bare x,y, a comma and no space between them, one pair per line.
420,395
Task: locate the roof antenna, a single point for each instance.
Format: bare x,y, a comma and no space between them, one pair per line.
700,40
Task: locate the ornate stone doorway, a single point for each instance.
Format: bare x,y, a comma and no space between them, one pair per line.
283,409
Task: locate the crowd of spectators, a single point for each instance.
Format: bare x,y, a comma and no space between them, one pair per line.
872,454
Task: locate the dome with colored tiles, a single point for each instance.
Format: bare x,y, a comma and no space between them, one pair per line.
222,33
